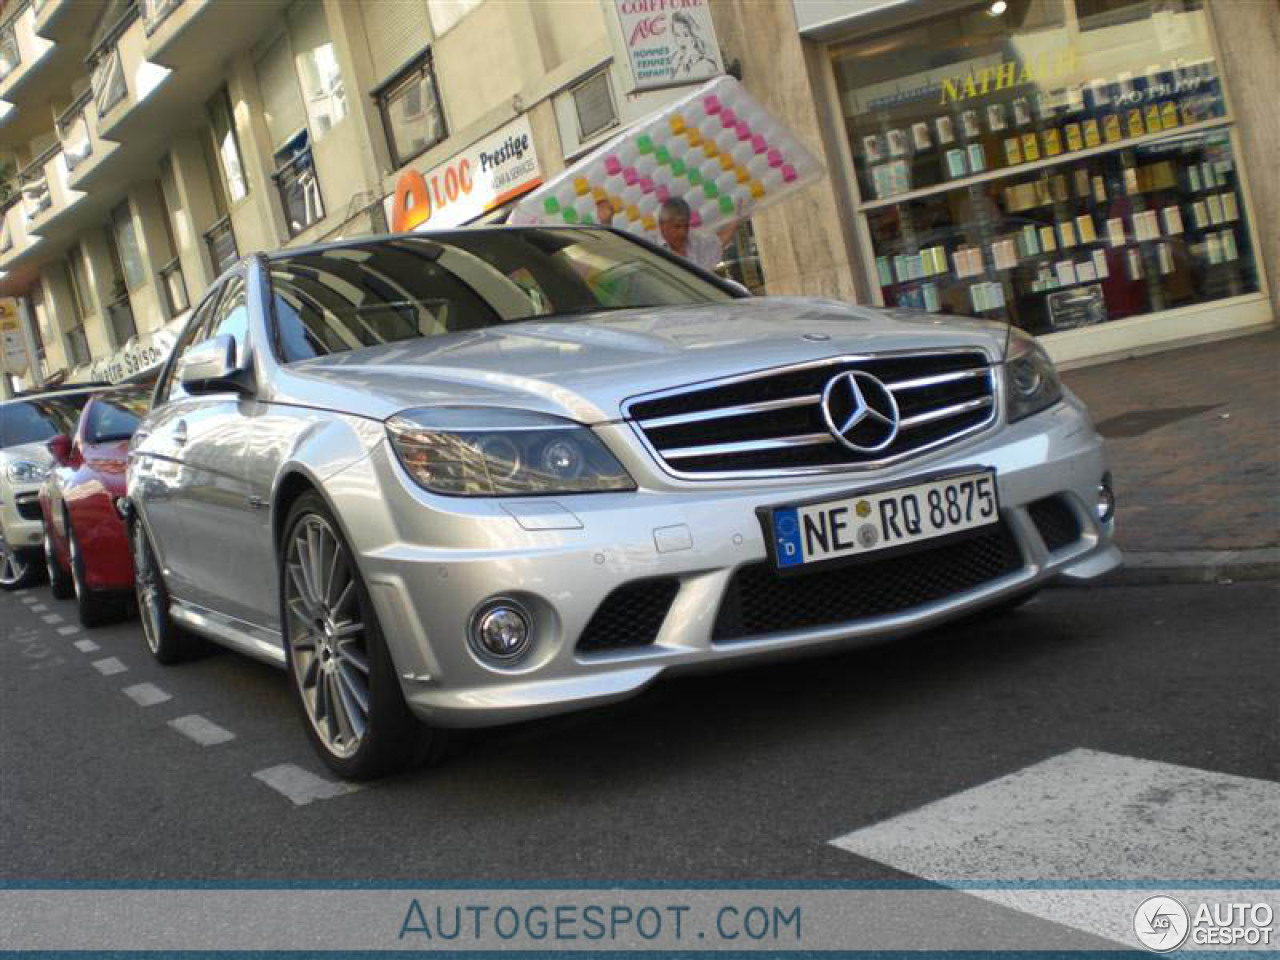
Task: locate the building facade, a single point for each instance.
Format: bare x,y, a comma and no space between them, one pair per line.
1097,172
154,142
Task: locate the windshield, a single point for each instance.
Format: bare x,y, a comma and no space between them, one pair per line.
116,415
34,421
363,295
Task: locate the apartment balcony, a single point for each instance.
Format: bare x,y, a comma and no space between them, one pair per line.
17,243
46,190
66,21
34,73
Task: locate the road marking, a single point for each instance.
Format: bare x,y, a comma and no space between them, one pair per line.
109,666
302,786
1084,816
202,731
87,646
39,608
51,618
146,694
68,630
27,599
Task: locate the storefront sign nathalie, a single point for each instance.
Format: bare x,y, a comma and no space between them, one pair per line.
486,175
1009,74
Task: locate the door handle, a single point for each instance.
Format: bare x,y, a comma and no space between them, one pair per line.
180,433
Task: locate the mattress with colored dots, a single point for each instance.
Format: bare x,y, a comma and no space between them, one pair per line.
717,148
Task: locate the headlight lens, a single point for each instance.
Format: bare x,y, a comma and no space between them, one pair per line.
26,471
1030,381
490,452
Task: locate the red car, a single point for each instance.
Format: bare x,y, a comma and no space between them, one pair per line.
85,543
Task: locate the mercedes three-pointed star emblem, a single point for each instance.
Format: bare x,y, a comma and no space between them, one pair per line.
860,411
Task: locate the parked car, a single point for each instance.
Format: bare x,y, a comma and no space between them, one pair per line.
474,477
86,547
26,424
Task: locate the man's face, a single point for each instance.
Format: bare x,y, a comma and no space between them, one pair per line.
674,230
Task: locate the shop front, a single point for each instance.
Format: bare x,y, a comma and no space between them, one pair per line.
1070,166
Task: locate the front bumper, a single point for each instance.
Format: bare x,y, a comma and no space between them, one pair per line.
431,561
20,524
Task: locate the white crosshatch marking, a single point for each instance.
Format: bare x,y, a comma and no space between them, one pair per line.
68,630
202,731
146,694
87,646
51,618
302,786
39,608
109,666
1085,816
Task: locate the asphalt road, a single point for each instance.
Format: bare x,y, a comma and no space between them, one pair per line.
749,774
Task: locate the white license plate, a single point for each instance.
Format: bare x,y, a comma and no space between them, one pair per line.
870,522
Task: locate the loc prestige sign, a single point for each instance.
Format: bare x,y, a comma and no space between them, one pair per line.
482,177
13,351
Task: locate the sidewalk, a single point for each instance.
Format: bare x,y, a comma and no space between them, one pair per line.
1193,438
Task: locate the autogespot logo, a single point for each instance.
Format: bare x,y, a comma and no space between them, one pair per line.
1161,924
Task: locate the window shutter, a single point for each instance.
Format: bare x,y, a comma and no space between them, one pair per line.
281,101
397,30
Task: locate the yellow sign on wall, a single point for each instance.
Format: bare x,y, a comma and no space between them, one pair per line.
13,352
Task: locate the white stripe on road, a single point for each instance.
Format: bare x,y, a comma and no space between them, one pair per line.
68,630
1089,816
87,646
109,666
39,608
51,618
146,694
202,731
27,599
303,786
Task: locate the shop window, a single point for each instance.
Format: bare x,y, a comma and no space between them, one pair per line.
411,112
593,103
1015,168
228,146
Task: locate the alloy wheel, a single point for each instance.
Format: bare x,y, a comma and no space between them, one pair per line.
147,585
13,569
327,641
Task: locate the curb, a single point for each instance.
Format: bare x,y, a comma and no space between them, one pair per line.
1194,566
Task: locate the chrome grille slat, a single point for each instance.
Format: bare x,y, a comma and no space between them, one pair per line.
721,413
770,422
942,413
748,446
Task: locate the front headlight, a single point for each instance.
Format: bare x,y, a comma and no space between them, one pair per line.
1030,381
490,452
26,471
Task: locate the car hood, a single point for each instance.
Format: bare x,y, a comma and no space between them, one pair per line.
584,368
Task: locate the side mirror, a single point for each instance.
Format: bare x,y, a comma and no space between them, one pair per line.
210,367
60,448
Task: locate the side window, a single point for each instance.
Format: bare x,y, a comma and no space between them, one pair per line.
232,316
169,388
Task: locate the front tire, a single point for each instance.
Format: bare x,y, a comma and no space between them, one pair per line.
167,642
59,580
16,568
340,670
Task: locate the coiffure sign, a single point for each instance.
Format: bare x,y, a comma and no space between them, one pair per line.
486,175
669,42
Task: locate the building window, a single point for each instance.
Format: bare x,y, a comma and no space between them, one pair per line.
1062,164
79,305
37,318
319,75
221,241
299,188
77,346
411,111
10,53
228,146
124,244
446,13
593,103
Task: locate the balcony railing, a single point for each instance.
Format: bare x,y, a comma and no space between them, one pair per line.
36,198
175,287
10,54
300,192
120,319
106,67
155,12
221,240
73,130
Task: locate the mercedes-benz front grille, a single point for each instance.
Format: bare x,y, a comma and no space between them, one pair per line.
772,421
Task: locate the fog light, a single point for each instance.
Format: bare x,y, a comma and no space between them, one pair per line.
501,632
1106,506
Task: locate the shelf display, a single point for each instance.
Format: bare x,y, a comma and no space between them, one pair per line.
1059,150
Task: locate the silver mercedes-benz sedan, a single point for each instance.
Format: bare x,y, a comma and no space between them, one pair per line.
469,478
